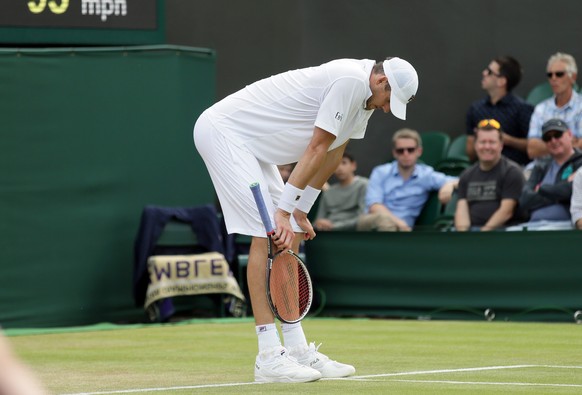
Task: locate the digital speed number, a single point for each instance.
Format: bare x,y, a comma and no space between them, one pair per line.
36,7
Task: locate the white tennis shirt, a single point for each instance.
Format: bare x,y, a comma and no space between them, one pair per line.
274,118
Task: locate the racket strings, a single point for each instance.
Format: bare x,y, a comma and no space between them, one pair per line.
289,287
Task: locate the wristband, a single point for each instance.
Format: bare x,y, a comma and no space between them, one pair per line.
289,198
308,199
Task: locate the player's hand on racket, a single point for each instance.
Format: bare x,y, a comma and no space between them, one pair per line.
284,234
304,223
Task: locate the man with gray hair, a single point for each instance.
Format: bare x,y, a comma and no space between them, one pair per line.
565,104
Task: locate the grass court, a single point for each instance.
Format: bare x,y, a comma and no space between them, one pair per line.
390,356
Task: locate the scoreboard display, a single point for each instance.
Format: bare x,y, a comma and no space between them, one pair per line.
72,22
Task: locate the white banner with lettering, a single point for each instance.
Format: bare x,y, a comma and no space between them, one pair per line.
177,275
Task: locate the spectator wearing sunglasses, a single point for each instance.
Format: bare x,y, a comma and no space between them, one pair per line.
548,191
499,79
397,191
489,190
576,202
566,104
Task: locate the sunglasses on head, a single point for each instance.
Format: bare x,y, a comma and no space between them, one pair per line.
489,122
558,74
400,151
554,134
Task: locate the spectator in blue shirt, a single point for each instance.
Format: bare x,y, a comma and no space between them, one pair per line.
397,191
566,104
513,113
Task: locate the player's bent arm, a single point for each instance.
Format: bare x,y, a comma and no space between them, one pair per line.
501,215
462,218
309,164
312,159
536,148
332,161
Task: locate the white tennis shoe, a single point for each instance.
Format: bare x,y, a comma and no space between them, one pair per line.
276,366
309,356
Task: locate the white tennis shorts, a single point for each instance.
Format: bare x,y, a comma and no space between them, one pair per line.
233,169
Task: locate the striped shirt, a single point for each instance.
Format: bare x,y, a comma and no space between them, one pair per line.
571,113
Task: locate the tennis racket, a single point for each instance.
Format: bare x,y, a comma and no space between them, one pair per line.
289,289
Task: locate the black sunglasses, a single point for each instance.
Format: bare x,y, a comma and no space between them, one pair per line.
558,74
400,151
554,134
490,72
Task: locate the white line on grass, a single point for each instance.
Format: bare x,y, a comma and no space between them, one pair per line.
560,367
365,378
438,371
488,383
186,387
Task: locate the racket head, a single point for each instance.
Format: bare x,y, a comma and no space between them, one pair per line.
289,288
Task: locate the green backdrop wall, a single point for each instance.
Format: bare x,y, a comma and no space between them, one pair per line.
88,138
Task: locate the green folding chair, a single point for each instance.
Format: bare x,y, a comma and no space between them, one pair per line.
445,221
539,93
434,147
430,212
456,159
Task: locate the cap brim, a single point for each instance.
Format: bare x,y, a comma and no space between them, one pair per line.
558,129
397,108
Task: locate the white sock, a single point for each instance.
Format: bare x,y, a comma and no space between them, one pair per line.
293,335
268,336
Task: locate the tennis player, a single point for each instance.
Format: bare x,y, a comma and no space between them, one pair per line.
306,116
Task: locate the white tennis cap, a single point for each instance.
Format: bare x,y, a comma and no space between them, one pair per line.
403,82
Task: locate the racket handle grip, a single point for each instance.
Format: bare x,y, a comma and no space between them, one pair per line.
256,189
